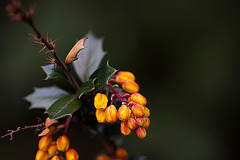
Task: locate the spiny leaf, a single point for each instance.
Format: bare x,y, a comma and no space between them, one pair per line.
72,55
45,97
89,59
103,74
86,87
64,107
57,76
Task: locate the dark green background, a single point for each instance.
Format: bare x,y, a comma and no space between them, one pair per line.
184,53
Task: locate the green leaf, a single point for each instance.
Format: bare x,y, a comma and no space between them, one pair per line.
64,107
86,87
57,76
89,58
103,74
45,97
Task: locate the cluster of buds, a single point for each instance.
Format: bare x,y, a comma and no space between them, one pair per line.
50,150
120,154
133,112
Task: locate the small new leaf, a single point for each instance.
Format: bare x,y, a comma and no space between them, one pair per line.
86,87
72,55
64,107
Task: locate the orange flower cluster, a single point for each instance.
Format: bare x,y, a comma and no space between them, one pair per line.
120,154
49,150
133,112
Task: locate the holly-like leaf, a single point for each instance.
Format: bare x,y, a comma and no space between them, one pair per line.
86,87
57,76
89,58
64,107
103,74
45,97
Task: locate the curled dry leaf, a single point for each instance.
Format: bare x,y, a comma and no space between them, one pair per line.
72,55
49,122
47,131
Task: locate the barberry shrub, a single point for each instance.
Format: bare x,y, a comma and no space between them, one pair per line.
104,99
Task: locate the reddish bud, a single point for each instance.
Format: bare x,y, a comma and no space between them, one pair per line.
130,86
146,122
52,150
125,75
111,114
62,143
41,155
103,157
56,158
124,129
146,112
71,154
124,113
139,122
131,123
137,98
100,101
138,109
100,115
141,132
44,143
121,153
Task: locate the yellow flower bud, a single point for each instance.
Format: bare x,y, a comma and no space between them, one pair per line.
52,150
139,122
62,143
141,132
103,157
137,98
131,123
124,113
124,129
56,158
111,114
71,154
100,101
146,112
124,75
121,153
146,122
100,115
41,155
138,110
44,143
130,86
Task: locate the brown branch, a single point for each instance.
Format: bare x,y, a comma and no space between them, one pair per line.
11,132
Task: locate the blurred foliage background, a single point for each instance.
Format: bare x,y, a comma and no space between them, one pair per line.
185,55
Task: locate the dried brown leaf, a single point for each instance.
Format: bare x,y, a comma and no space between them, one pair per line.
49,122
72,55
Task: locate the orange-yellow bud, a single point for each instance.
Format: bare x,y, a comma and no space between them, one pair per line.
71,154
141,132
130,86
146,112
131,123
137,98
56,158
62,143
146,122
44,143
124,113
139,122
124,75
100,115
41,155
103,157
52,150
100,101
124,129
111,114
138,110
121,153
